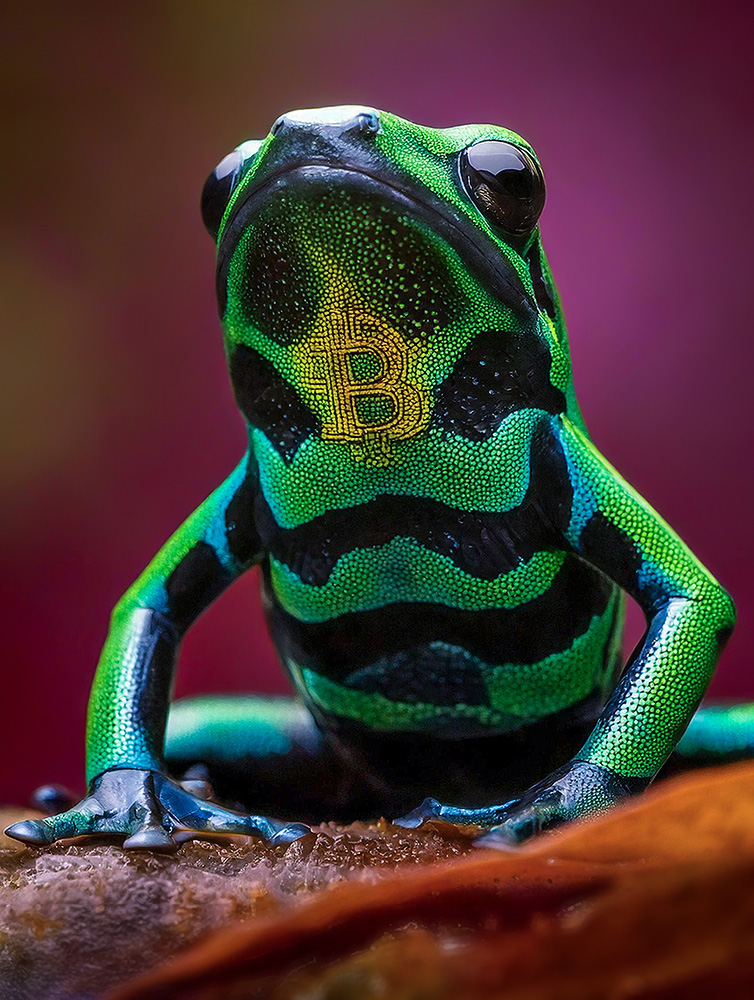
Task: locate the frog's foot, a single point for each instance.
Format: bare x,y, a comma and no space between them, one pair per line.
152,813
575,791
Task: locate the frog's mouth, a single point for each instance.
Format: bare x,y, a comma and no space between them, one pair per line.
306,195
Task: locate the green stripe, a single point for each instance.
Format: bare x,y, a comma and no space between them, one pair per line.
490,475
405,571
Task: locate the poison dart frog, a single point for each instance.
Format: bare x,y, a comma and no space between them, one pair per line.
444,553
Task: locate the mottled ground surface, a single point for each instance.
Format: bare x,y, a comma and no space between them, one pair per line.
79,919
653,901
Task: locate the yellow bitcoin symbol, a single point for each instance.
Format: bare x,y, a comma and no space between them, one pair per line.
359,374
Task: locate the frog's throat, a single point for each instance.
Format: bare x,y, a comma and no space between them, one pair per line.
481,256
343,330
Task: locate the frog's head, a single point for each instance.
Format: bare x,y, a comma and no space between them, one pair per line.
358,252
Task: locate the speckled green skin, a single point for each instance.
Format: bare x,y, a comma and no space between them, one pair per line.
456,577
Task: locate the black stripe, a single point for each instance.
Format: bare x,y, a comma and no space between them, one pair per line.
269,402
424,674
244,543
548,624
539,282
484,545
152,644
496,375
194,584
606,545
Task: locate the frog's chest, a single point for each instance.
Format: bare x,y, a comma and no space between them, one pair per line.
449,521
397,550
394,538
373,399
441,488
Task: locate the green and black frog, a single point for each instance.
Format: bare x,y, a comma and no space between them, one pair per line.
444,553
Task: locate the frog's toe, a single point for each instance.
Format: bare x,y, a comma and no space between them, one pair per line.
429,809
522,820
195,816
39,832
289,833
30,831
199,788
196,772
150,838
220,821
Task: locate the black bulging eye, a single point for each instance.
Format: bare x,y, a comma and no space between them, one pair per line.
505,183
217,190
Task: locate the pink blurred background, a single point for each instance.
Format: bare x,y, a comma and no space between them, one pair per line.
118,417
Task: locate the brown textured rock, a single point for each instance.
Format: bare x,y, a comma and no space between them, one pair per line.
654,900
79,918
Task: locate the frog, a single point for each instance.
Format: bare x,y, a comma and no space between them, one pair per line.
444,554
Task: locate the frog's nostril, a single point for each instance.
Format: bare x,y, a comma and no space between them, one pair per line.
339,121
368,122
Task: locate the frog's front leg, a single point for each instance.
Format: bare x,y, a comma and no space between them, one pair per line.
689,618
129,794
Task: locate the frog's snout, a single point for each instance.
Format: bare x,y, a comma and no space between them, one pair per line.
346,119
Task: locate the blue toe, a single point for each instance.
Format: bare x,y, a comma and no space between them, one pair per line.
289,833
29,832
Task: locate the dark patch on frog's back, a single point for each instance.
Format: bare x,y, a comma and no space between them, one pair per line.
269,402
484,545
393,266
496,375
277,288
410,676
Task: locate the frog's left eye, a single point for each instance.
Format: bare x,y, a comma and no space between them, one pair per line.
221,184
505,183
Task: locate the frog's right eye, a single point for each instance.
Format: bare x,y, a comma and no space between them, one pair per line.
217,190
222,182
505,183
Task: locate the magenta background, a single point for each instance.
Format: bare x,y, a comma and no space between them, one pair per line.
117,414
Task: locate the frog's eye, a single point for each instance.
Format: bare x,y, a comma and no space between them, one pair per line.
505,183
221,183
